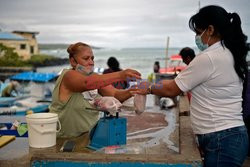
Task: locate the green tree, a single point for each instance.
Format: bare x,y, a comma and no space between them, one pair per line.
10,58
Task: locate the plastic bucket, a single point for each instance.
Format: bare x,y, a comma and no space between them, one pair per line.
42,128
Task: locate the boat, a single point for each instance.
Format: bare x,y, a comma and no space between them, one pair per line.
25,105
175,65
35,77
7,101
35,97
22,111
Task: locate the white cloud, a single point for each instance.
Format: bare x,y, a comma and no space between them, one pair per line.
111,23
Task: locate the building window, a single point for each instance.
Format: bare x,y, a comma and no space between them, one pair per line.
31,49
23,46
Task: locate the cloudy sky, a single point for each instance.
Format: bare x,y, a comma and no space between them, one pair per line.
112,23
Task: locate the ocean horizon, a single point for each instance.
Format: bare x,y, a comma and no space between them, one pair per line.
140,59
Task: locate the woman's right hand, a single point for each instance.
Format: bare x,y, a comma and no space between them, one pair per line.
129,74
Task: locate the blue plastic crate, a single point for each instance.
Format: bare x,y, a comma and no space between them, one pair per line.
11,132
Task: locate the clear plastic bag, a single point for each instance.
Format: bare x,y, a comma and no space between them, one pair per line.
140,103
109,104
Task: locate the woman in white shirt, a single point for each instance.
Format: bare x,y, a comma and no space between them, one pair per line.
215,77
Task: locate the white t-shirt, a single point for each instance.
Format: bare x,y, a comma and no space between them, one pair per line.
216,90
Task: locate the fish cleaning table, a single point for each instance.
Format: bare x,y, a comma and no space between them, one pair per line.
154,138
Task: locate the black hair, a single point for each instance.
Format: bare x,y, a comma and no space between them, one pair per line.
113,64
156,67
228,27
187,52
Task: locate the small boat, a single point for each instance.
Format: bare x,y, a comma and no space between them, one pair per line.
34,76
22,110
175,65
36,99
7,101
26,105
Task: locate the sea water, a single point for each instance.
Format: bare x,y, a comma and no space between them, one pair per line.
140,59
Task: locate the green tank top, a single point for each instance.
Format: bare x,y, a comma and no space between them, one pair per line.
73,114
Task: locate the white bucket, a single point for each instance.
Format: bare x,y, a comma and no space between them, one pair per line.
42,128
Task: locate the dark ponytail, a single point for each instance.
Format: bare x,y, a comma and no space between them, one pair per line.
228,27
237,44
235,41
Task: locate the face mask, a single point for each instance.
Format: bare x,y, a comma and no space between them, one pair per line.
199,42
80,68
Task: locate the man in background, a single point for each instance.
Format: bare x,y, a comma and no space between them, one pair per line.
8,90
187,55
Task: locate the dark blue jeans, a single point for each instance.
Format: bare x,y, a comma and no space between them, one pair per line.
226,148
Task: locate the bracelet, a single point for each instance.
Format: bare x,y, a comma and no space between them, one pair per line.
149,90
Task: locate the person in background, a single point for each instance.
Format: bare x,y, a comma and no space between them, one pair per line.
187,55
217,79
11,89
75,112
156,68
114,66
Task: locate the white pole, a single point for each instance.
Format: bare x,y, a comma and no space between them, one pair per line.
167,47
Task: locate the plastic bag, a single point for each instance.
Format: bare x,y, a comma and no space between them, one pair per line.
140,103
90,95
109,104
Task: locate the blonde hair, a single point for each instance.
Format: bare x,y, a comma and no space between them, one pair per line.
73,49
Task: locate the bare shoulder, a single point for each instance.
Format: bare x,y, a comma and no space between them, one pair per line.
72,75
70,72
74,81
